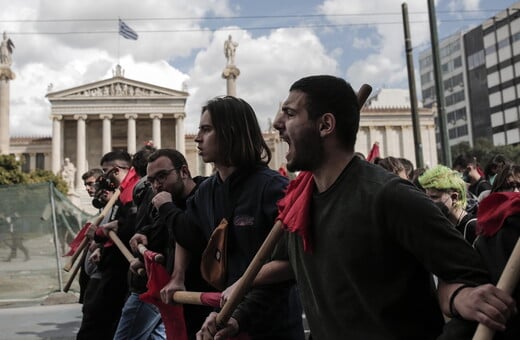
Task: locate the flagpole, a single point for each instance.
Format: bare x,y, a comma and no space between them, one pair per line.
118,41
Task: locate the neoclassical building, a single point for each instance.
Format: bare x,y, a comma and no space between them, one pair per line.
386,119
120,113
116,113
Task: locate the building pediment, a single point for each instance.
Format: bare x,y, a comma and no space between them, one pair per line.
116,87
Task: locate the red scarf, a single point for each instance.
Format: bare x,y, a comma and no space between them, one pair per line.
494,209
294,207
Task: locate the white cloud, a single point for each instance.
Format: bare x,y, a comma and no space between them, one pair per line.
268,66
382,41
468,5
363,43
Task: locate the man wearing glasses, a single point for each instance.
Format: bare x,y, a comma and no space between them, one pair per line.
168,173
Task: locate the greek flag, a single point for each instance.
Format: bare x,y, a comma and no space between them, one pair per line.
126,31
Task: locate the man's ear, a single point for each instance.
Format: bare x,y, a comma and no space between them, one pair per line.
327,124
184,172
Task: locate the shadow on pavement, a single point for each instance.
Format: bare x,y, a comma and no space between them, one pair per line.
62,331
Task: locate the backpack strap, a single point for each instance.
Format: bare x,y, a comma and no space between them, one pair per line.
466,226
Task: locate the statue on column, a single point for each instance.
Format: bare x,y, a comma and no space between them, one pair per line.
230,48
6,49
67,173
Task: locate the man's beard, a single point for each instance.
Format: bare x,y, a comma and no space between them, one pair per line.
177,191
310,151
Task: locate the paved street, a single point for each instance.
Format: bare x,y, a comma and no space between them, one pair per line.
40,322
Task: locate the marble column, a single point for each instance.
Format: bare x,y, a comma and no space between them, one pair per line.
81,148
180,138
131,134
32,161
56,142
156,129
5,76
231,73
107,132
4,116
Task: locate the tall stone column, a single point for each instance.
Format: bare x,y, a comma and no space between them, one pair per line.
131,134
180,144
231,72
56,143
156,129
5,76
107,133
32,161
81,148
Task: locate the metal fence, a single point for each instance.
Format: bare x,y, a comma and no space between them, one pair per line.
36,224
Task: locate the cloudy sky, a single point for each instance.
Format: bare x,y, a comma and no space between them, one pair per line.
70,43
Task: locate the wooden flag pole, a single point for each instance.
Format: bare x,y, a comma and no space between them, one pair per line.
507,282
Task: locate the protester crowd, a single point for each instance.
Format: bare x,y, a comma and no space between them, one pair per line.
371,248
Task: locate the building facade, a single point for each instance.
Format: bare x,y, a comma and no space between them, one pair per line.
113,114
452,58
33,152
481,75
386,118
501,35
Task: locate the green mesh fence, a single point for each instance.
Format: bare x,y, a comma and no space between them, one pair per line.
33,239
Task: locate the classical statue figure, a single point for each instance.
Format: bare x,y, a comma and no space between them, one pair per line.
67,173
230,48
6,49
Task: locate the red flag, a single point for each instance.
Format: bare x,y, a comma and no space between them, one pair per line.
172,315
127,186
293,208
74,244
374,153
494,209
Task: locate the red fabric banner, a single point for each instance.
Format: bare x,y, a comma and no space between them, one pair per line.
74,244
293,208
374,153
127,186
172,315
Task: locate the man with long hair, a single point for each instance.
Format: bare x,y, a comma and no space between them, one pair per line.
244,191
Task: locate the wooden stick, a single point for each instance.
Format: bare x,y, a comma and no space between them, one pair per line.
507,282
95,222
68,266
363,93
265,250
124,250
249,275
187,298
84,253
191,298
159,258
